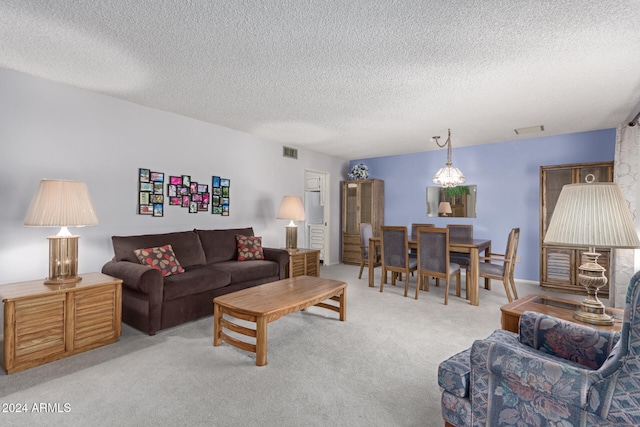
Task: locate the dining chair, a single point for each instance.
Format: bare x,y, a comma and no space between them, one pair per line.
505,267
434,259
366,232
460,231
414,230
414,235
394,245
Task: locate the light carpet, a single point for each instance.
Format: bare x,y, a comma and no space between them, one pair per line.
379,368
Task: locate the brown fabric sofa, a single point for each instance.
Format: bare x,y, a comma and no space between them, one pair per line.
151,302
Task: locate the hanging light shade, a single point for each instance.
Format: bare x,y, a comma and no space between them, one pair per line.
448,176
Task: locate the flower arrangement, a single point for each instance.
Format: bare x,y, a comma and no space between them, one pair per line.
359,171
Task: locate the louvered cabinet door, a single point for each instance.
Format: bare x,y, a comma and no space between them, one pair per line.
95,318
36,331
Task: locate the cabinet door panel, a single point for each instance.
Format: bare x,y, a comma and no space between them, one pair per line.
39,327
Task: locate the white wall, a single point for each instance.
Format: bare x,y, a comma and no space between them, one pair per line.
50,130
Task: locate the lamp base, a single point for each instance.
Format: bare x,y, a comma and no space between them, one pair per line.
591,276
63,260
292,238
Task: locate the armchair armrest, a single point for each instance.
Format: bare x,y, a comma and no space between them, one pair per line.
281,256
135,276
582,344
525,373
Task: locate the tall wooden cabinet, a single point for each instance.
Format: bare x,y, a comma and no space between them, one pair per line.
559,264
362,202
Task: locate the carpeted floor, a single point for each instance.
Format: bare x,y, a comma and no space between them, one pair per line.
379,368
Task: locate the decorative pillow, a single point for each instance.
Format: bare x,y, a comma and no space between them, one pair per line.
161,258
249,247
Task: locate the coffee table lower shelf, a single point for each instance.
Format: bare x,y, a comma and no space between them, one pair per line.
557,307
266,303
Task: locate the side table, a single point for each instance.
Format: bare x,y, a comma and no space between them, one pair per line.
43,323
304,262
556,307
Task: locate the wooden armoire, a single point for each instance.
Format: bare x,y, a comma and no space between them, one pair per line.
559,264
362,202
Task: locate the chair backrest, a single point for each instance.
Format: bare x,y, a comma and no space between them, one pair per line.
366,232
512,248
433,250
414,229
460,231
395,246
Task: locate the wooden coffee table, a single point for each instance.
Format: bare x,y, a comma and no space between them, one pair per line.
265,303
556,307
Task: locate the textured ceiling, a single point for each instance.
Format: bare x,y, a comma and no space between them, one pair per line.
352,78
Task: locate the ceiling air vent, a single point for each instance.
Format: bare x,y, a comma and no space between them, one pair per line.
289,152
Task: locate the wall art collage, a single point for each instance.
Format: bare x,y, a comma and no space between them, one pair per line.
182,192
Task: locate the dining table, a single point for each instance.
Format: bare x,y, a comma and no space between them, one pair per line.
471,246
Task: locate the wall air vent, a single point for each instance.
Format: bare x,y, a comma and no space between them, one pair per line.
289,152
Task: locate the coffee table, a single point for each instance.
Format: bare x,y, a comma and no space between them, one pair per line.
265,303
556,307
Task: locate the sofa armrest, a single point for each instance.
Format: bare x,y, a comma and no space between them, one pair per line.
582,344
281,256
135,276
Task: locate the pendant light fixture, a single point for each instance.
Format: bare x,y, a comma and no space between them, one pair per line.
448,176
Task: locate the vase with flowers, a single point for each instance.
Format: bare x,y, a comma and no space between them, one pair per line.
359,171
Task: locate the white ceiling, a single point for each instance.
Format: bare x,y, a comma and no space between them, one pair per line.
349,78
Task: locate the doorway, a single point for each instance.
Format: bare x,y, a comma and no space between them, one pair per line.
317,202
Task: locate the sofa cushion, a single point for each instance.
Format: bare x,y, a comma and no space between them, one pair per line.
194,281
220,245
249,248
248,271
186,246
161,258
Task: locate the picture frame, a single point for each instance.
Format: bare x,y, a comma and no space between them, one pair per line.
186,180
215,181
144,175
158,187
175,201
175,180
144,198
172,190
145,209
150,192
146,186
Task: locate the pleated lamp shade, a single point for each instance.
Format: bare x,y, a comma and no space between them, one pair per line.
61,203
594,215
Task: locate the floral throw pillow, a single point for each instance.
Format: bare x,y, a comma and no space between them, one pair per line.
249,247
161,258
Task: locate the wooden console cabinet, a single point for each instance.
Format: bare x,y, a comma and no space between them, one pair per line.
43,323
304,262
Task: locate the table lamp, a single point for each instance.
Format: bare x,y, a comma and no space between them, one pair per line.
291,208
61,203
592,214
444,208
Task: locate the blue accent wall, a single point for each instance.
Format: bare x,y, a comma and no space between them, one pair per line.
507,175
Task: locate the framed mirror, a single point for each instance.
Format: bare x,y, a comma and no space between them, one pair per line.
456,202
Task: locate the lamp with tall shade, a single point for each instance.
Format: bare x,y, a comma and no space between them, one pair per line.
61,203
593,214
291,208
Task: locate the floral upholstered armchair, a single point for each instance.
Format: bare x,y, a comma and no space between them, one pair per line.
554,373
